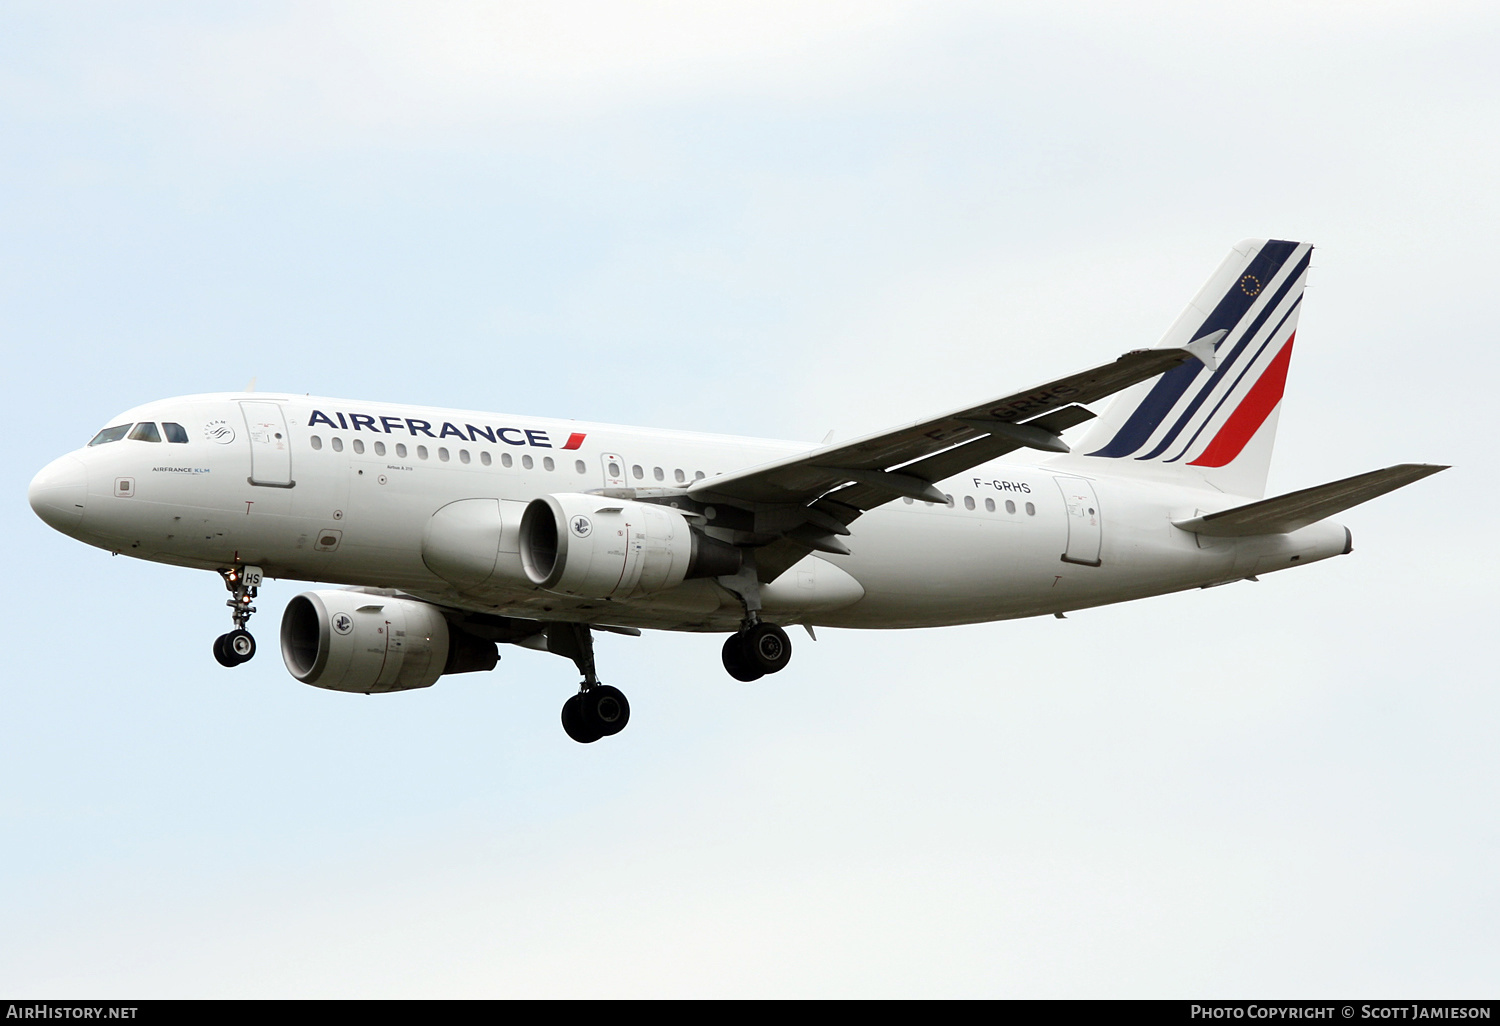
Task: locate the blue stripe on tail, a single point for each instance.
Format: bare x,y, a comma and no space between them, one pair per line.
1162,398
1228,362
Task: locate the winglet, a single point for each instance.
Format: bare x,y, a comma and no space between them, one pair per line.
1203,348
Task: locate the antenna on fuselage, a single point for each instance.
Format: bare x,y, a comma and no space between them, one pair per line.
250,387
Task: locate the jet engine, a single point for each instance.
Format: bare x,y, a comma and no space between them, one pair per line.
594,547
366,642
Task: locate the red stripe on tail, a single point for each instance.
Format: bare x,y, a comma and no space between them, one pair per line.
1251,413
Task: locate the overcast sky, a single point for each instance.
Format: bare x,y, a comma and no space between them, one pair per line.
773,219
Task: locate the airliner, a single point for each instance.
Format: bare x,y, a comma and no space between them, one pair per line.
453,532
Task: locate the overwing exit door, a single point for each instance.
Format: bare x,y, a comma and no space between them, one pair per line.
614,471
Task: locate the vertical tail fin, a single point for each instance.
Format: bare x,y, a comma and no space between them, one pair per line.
1216,425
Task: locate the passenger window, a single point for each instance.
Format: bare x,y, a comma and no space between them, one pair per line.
463,456
547,463
968,502
359,446
505,460
949,498
907,499
175,432
698,475
989,505
656,472
680,476
1030,510
337,443
1010,506
637,472
421,452
614,469
146,432
401,449
527,462
484,458
580,466
111,434
443,454
379,448
317,443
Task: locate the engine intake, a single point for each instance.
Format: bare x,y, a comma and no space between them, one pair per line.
593,547
361,642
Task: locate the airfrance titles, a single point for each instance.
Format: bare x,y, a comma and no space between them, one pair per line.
416,427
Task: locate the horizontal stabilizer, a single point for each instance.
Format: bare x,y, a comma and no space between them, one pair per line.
1295,510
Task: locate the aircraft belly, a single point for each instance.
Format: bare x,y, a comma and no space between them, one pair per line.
921,568
691,606
936,567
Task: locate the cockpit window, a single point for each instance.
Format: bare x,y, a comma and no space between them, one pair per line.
175,432
111,434
146,432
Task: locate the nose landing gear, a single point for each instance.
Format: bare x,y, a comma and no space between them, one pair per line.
238,646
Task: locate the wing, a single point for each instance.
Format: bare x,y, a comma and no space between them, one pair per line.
816,494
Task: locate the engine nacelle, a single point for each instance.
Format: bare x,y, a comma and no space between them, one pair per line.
363,642
594,547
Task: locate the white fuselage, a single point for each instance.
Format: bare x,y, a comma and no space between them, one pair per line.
345,492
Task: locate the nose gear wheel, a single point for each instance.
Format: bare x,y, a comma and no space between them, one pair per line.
238,646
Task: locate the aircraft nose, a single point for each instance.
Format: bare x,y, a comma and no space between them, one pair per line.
58,492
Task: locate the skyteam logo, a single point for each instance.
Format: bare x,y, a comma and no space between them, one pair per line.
418,428
343,623
581,526
218,431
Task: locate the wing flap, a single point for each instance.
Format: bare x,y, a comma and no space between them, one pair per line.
1296,510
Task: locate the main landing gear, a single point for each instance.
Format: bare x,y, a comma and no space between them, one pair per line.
598,710
238,646
757,649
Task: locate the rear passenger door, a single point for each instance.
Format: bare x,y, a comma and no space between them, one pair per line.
1085,530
